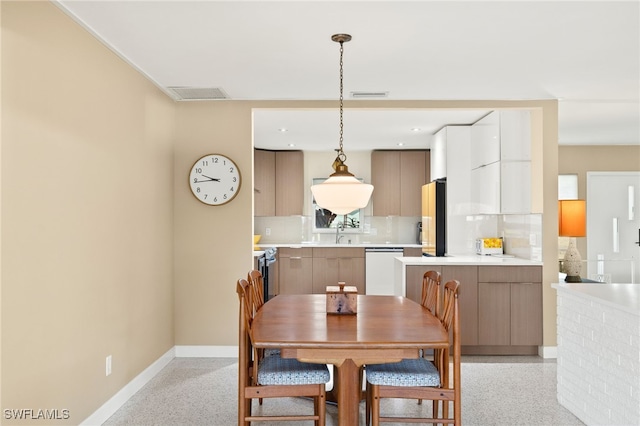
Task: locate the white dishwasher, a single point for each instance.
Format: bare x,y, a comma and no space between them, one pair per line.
379,267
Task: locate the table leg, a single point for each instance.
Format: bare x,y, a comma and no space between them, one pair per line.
348,393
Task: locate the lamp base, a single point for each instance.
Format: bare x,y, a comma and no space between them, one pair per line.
573,279
572,264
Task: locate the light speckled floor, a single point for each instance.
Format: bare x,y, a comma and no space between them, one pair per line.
202,391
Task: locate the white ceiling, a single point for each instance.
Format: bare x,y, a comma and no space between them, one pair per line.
586,54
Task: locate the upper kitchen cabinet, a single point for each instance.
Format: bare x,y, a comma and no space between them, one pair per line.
397,178
451,159
278,183
501,163
264,175
485,137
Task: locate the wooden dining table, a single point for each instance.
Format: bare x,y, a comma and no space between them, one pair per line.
384,329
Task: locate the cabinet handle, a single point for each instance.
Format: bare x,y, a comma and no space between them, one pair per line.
295,257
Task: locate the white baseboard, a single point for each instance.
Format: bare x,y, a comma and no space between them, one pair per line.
115,402
550,352
206,351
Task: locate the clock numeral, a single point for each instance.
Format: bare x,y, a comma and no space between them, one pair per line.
215,160
224,197
205,163
205,196
198,170
215,199
232,189
198,190
231,170
234,179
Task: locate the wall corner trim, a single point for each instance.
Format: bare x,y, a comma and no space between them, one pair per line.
548,352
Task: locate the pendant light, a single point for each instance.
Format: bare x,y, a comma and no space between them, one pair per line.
342,193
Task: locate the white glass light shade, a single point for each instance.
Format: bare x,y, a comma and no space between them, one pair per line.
342,194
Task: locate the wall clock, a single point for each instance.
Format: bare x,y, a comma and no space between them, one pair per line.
215,179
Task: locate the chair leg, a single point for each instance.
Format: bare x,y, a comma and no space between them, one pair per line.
367,406
435,409
322,408
375,406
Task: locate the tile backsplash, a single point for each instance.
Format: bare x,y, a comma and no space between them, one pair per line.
375,229
522,233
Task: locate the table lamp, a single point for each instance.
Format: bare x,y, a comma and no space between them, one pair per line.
572,216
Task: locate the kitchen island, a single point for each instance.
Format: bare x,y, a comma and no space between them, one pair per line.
598,348
500,299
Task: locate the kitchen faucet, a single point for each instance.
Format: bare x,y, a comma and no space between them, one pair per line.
339,226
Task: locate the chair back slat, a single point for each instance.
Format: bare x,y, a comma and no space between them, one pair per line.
450,299
431,291
257,284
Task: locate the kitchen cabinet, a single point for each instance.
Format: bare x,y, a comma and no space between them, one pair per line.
264,193
412,252
500,306
451,158
501,163
279,183
295,265
485,140
334,264
510,305
397,177
467,294
467,300
485,189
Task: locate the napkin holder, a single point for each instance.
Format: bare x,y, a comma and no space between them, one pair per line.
342,300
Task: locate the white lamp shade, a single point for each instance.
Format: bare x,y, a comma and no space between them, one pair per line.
342,194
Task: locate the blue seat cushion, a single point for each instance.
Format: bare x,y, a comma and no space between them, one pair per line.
272,352
274,370
408,372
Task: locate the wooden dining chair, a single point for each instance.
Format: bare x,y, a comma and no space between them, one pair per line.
276,377
431,291
421,378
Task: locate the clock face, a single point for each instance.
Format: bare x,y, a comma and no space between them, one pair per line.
215,179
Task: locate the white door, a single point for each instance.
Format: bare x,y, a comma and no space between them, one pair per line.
613,226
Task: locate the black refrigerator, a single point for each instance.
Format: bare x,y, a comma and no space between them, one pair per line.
434,218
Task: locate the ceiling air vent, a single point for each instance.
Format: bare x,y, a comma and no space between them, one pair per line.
197,93
368,95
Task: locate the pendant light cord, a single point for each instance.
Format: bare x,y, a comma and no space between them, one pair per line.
341,154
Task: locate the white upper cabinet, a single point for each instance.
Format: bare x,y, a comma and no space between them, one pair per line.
485,140
438,155
515,135
501,163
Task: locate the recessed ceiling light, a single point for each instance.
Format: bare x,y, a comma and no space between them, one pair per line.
400,144
416,129
282,129
291,145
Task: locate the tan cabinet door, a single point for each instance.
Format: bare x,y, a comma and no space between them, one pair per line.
264,193
289,182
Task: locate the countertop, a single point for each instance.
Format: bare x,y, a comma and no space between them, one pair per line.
468,259
365,245
621,296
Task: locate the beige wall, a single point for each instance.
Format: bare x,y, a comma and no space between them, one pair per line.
87,178
582,159
104,249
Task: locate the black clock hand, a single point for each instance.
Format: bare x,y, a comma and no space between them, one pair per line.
210,178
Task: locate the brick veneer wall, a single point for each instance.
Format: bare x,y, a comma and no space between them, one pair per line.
598,361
